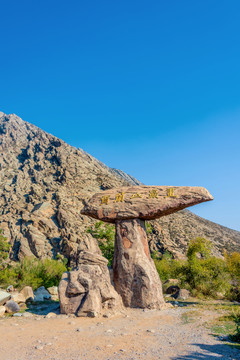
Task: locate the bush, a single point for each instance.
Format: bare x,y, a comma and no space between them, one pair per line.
203,274
105,235
33,272
4,249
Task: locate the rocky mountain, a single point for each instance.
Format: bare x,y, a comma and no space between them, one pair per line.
43,183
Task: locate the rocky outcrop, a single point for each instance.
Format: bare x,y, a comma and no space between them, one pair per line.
134,272
87,290
43,183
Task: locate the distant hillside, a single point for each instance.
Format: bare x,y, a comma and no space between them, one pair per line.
43,181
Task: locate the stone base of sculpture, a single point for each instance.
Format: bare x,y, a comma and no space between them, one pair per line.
87,290
134,272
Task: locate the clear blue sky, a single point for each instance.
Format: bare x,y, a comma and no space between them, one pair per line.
150,87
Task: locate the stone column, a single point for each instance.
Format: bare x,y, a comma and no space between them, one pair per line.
135,275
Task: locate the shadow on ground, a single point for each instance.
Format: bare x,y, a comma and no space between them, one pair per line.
211,352
44,307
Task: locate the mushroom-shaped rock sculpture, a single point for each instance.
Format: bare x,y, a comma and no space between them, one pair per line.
134,272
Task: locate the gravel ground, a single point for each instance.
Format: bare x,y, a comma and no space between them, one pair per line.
134,334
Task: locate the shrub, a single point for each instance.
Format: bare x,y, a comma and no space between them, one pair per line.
33,272
4,249
203,274
105,235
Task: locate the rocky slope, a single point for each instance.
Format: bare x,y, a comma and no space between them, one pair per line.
43,182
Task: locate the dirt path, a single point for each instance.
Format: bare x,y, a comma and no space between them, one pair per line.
136,334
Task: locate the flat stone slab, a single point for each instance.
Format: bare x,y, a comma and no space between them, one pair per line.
143,202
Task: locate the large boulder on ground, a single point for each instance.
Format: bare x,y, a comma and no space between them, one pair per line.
4,297
41,294
87,290
12,306
27,292
2,310
182,294
17,297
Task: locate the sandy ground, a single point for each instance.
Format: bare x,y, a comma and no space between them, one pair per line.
134,334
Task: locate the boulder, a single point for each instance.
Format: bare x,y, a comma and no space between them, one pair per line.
28,294
4,297
2,310
173,289
12,306
41,294
53,291
17,297
182,294
87,290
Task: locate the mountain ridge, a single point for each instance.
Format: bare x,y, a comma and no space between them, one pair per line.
43,183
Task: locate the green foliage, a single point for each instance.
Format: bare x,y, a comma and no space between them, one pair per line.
199,246
105,234
167,267
203,274
4,248
33,272
149,228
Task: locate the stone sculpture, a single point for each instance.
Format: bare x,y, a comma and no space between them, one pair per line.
134,273
87,290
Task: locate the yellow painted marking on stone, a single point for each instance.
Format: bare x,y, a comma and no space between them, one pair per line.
153,194
105,199
119,197
170,192
137,195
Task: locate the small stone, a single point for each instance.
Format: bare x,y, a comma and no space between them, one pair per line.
79,329
10,288
150,331
109,331
27,314
39,347
17,314
50,315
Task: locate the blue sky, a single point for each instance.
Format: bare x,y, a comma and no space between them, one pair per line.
150,87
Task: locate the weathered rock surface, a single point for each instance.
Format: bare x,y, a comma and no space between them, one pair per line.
143,202
43,182
11,306
27,292
17,297
182,294
4,297
2,310
134,272
87,290
41,294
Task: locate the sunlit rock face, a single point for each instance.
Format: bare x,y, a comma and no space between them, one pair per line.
134,273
